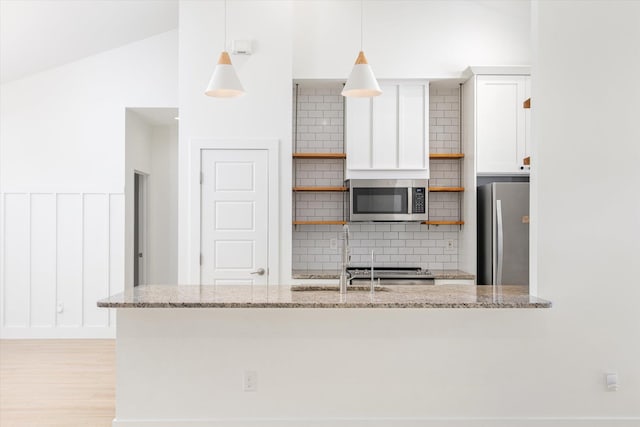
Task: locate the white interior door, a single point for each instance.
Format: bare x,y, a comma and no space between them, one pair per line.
234,216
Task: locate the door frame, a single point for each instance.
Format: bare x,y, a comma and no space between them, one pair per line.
272,147
140,227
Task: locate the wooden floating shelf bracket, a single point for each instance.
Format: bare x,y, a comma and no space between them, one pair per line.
527,103
319,156
446,189
336,189
319,222
446,155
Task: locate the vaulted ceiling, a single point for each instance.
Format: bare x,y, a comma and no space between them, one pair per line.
36,35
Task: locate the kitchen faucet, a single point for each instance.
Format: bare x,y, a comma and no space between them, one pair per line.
346,258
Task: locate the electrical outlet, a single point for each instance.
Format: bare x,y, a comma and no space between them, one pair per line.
611,380
60,307
333,244
250,381
450,244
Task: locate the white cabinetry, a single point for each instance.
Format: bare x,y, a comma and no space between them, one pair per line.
501,122
495,136
387,136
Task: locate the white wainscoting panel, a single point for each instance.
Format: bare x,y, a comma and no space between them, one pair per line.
69,278
61,252
16,261
96,259
43,260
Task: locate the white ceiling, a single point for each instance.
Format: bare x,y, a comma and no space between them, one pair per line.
36,35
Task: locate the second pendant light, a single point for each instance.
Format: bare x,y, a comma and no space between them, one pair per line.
361,81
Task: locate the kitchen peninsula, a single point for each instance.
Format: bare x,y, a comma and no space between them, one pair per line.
235,355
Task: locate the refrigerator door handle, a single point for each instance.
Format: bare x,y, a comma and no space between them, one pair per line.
499,243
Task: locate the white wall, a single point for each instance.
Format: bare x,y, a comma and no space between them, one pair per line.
163,206
409,38
64,128
585,123
264,112
62,184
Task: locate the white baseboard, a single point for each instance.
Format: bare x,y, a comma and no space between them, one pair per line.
53,333
391,422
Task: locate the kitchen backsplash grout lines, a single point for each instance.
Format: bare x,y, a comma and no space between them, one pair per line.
320,129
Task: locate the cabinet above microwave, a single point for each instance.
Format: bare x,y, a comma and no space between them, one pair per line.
387,136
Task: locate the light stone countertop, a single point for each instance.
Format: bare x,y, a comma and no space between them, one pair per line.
329,274
284,296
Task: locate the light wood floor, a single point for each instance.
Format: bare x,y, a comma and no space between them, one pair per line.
57,383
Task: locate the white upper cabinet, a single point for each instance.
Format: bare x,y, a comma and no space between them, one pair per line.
388,136
502,124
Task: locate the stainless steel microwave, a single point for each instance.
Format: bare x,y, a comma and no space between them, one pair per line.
388,199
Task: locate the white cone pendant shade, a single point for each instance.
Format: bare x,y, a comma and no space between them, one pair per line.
224,82
361,82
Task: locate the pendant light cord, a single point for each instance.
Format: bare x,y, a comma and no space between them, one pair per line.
361,24
225,26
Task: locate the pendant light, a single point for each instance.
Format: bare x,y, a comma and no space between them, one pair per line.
361,82
224,82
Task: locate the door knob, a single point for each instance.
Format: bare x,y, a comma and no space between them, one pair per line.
259,272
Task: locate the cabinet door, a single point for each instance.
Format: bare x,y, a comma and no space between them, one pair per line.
387,136
500,123
413,126
384,141
358,133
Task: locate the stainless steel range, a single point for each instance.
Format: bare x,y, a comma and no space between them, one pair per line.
392,275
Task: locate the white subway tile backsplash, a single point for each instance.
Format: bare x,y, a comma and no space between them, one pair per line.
413,259
320,129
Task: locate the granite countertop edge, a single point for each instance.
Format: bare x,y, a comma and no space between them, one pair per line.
479,305
279,297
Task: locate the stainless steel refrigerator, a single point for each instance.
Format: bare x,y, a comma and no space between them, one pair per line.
503,233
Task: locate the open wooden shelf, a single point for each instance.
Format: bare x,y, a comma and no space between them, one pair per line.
446,189
527,103
319,156
444,222
319,222
336,189
446,155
